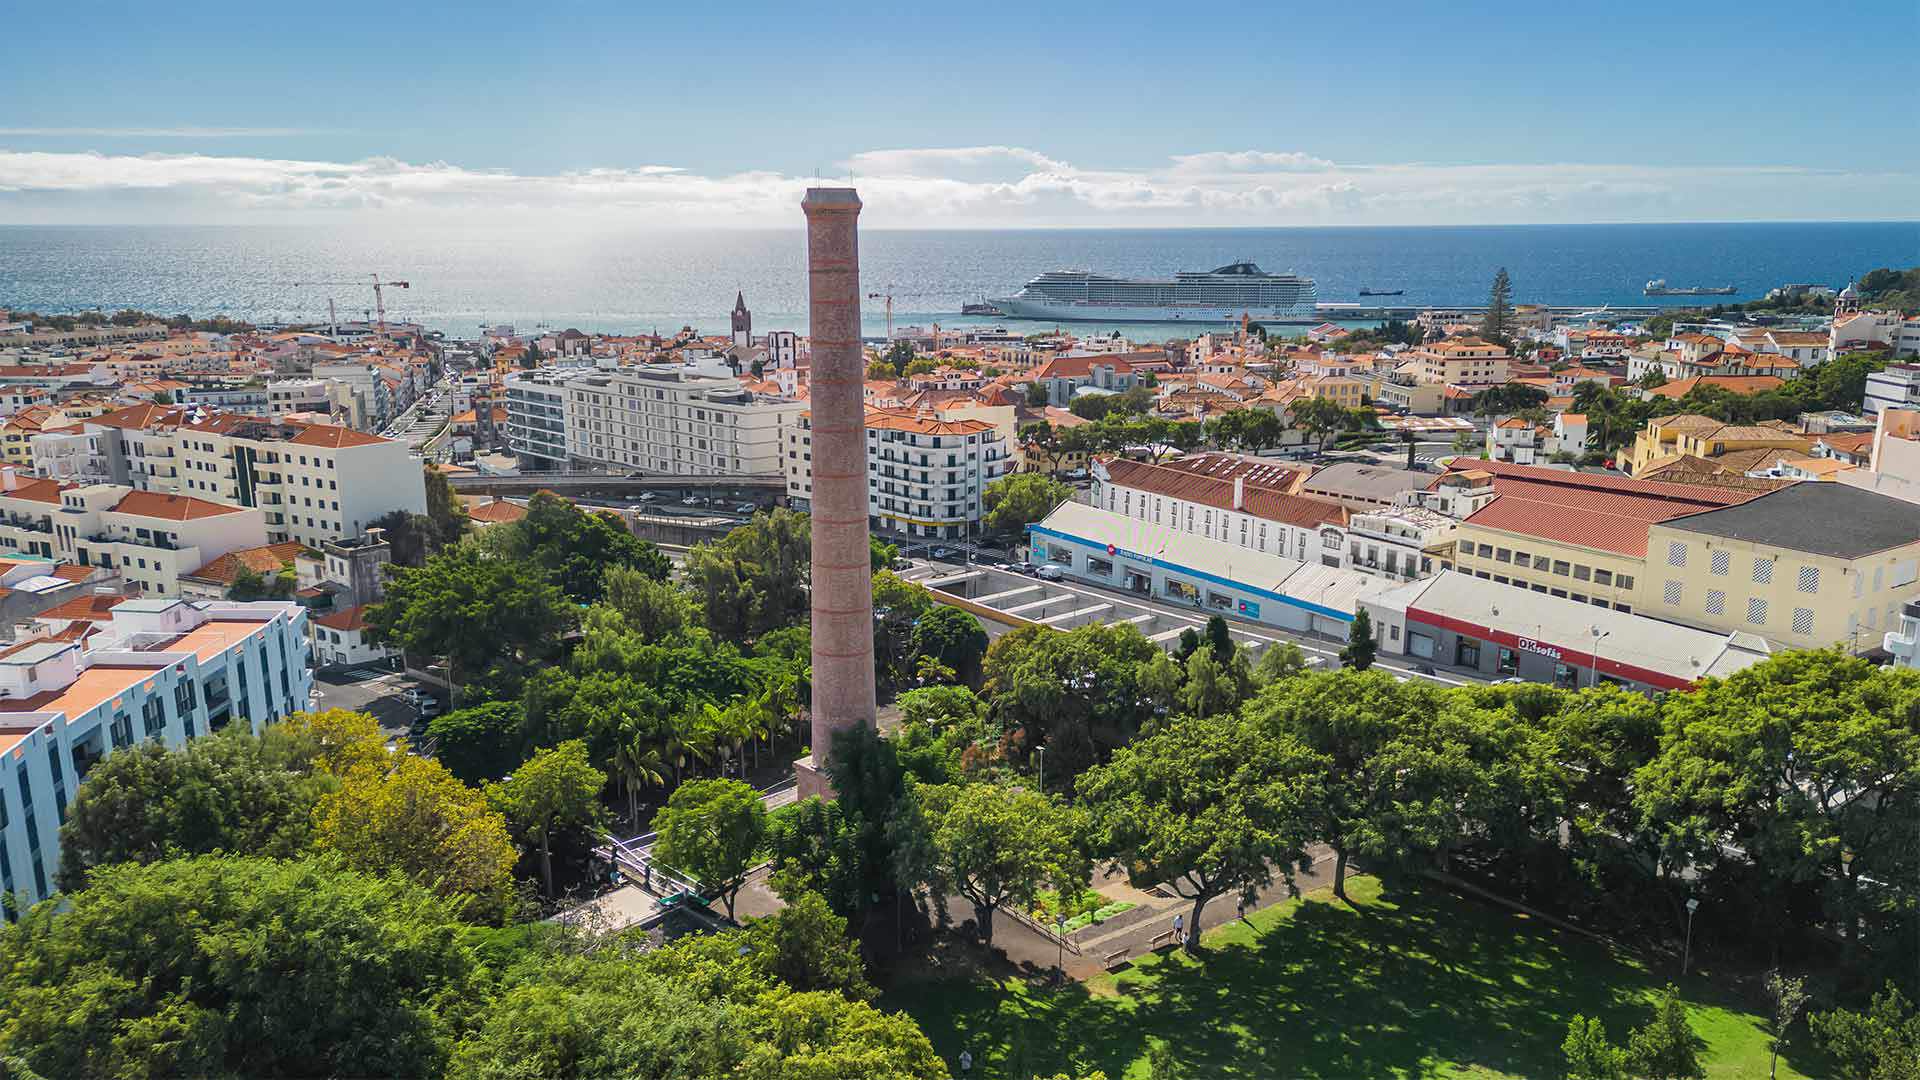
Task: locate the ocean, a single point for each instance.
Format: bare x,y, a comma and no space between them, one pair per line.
619,281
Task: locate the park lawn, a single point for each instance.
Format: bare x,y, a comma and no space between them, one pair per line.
1404,983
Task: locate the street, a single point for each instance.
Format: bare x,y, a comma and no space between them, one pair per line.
372,688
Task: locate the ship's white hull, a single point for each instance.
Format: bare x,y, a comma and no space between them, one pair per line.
1065,311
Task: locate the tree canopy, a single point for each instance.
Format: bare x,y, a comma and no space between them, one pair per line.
1017,500
712,831
989,843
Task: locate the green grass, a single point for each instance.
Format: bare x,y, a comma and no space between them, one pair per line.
1404,983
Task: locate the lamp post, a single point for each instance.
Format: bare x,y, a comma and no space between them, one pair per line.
1598,636
1686,955
1041,754
1060,940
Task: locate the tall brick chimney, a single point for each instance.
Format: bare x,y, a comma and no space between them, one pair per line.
843,693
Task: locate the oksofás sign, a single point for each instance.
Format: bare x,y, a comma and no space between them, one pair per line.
1539,647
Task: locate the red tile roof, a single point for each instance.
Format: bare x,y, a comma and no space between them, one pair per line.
90,608
140,416
353,618
270,559
1608,513
36,488
154,504
331,437
495,511
1208,479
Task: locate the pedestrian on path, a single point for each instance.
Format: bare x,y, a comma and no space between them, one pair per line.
1180,929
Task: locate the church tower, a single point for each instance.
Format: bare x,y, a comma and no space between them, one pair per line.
742,321
1848,302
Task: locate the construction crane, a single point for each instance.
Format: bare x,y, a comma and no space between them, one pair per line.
888,297
379,297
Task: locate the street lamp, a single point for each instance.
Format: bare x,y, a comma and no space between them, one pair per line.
1598,636
1686,955
1060,940
1042,755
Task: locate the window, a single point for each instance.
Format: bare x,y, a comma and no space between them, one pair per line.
1716,602
1502,555
1582,573
1561,569
1763,571
1722,562
1508,662
1672,594
1756,611
1625,581
1603,577
1809,579
1676,553
1802,620
1466,653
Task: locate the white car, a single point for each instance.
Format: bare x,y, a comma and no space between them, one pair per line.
1050,572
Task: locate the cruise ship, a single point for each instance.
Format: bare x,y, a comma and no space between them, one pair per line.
1216,296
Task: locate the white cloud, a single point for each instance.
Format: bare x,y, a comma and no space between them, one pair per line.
939,187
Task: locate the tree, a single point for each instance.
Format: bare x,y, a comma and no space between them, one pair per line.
416,818
1663,1049
1204,805
444,509
1791,763
753,579
954,638
1252,429
410,538
474,611
1361,647
805,945
1788,996
220,966
817,850
1211,686
1319,417
555,791
249,584
219,793
879,370
1019,499
652,607
1508,399
479,743
712,830
575,548
333,742
899,354
880,554
988,843
1282,660
1391,781
1073,692
920,365
1037,395
1497,324
1881,1042
1589,1055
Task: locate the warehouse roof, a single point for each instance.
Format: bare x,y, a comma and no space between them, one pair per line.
1824,519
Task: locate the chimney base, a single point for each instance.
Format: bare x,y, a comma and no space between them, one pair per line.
812,780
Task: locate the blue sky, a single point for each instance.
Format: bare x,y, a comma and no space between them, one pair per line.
1114,113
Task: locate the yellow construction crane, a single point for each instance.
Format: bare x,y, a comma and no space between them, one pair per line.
379,295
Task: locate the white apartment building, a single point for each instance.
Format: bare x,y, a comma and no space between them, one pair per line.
313,482
669,420
1897,387
926,476
1400,543
1245,502
298,396
150,538
537,419
166,669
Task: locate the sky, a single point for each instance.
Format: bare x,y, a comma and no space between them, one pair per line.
980,114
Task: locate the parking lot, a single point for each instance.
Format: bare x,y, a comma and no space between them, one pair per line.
373,688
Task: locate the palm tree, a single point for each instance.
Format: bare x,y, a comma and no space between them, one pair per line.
1606,415
639,761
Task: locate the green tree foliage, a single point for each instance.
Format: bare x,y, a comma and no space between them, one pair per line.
1211,686
817,850
1390,779
954,638
753,579
249,584
880,554
1072,693
1663,1049
899,355
1017,500
573,547
1282,660
215,966
479,743
920,365
1792,762
805,945
217,793
1590,1056
1252,430
1881,1042
444,508
697,1008
652,606
416,818
553,793
1207,805
1321,418
1497,324
712,831
1507,399
987,843
1130,402
475,611
410,538
1391,332
1360,648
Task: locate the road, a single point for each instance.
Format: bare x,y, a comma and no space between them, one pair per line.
370,688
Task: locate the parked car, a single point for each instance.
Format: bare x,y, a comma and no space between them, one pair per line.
745,508
648,496
1026,568
902,564
941,553
429,707
1050,572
